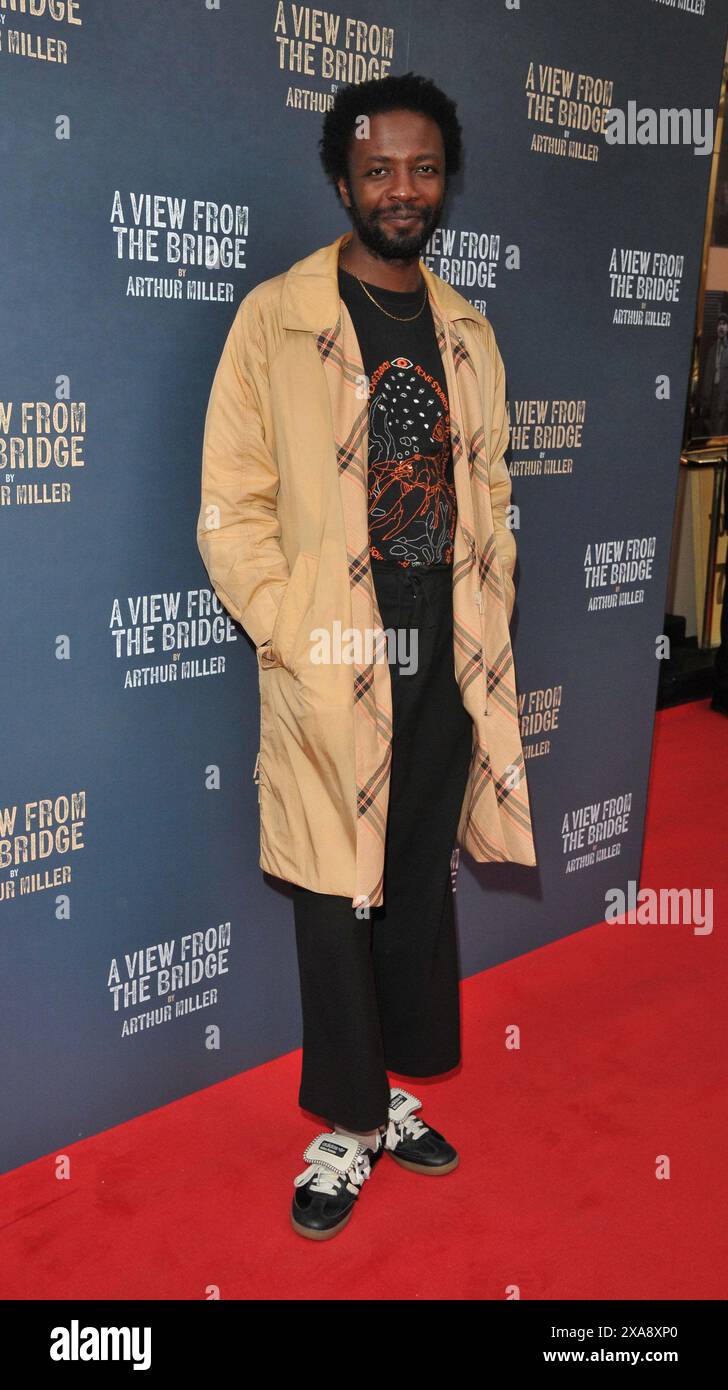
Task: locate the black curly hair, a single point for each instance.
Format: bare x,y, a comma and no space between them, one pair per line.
405,93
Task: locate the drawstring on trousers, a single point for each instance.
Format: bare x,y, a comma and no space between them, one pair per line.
413,583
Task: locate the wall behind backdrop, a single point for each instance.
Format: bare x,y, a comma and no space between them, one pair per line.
144,953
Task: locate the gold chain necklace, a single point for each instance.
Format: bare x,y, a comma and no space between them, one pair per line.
398,317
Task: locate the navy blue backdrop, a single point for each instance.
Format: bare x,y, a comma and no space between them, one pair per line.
144,954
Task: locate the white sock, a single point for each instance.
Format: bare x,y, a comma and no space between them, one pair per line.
367,1137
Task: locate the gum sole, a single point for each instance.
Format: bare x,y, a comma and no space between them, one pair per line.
320,1235
420,1168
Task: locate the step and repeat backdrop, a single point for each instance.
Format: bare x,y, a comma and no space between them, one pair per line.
159,160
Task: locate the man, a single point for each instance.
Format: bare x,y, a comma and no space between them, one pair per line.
353,485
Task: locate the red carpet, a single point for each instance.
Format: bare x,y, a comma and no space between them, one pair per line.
622,1060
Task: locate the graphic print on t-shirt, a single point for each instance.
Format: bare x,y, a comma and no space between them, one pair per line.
412,506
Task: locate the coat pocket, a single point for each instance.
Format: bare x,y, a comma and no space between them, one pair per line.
292,610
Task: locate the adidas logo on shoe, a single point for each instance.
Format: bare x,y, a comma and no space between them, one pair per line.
327,1191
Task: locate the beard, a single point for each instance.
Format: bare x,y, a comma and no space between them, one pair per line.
397,243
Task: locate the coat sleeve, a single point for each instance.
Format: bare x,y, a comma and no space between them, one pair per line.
238,532
500,479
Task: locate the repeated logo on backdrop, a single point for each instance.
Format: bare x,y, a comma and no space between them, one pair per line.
43,31
42,443
691,7
551,430
642,280
468,259
152,985
568,109
539,714
162,233
320,50
156,638
621,566
594,832
30,833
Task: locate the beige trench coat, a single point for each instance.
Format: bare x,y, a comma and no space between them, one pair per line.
283,532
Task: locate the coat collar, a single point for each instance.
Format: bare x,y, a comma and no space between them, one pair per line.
311,292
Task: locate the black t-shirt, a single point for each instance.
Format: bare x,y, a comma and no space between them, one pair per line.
411,491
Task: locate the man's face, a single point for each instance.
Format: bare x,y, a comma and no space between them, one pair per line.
722,328
396,186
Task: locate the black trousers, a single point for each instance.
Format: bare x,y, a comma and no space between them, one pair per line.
383,992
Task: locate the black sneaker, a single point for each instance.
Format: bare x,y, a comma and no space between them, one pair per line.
411,1142
328,1189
